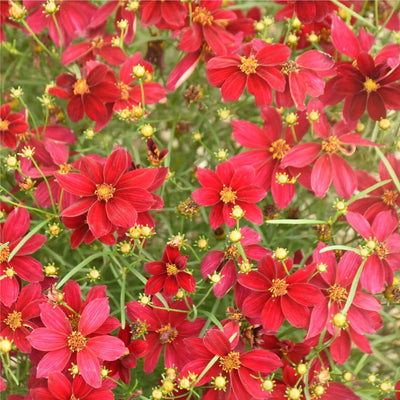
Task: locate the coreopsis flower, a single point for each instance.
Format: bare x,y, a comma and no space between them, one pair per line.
12,232
328,165
89,93
111,195
225,262
267,148
278,296
63,338
257,67
382,248
305,75
62,388
240,372
384,198
16,319
164,329
208,26
164,15
335,283
11,124
169,274
72,17
227,187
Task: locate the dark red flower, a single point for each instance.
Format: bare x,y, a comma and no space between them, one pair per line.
111,195
278,296
89,93
227,187
163,14
62,338
258,67
169,274
307,11
20,265
164,329
10,126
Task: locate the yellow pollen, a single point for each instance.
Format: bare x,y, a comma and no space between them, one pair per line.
389,197
370,85
64,168
4,253
4,124
124,89
9,272
230,361
248,65
228,195
14,320
278,287
337,293
288,67
279,148
97,43
381,251
81,87
332,145
172,269
104,192
202,16
76,341
167,333
231,253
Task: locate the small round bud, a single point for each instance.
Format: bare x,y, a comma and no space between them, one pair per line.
184,383
235,235
343,13
180,294
134,232
197,136
215,278
220,382
89,133
386,386
202,243
237,212
347,376
364,252
5,345
26,184
104,372
177,241
371,244
28,152
259,26
384,124
340,206
125,247
268,385
9,272
145,300
171,373
372,378
124,114
291,118
360,127
224,114
50,7
123,24
50,270
133,5
301,369
322,267
294,393
222,154
138,71
16,93
54,230
137,111
339,320
245,267
94,274
157,394
147,130
16,11
268,21
324,376
146,231
296,23
313,116
292,39
74,370
167,386
313,38
281,254
318,390
11,161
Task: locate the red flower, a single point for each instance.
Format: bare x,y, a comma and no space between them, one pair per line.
88,94
10,126
111,196
242,371
268,145
164,328
63,338
169,274
307,11
164,15
225,188
224,262
61,388
278,296
382,248
16,319
21,265
258,68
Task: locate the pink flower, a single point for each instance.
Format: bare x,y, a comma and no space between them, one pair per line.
227,187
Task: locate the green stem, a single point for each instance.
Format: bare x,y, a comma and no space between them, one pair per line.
59,32
353,288
354,14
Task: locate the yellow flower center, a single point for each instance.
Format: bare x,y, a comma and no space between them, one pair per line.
167,333
228,195
248,65
332,145
202,16
97,43
76,341
279,148
230,361
4,253
288,67
380,250
104,192
124,89
278,287
4,124
81,87
337,293
232,252
370,85
172,269
389,197
64,168
14,320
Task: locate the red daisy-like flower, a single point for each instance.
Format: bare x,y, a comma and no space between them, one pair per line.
268,146
164,329
382,248
63,338
11,124
224,262
163,14
111,195
61,388
169,274
88,94
227,187
278,296
20,265
240,372
258,67
16,319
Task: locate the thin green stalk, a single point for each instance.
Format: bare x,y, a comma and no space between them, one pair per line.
354,14
388,166
59,32
353,288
